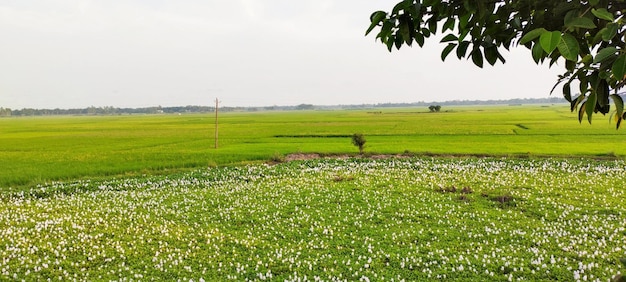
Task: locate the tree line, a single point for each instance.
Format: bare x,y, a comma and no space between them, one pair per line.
108,110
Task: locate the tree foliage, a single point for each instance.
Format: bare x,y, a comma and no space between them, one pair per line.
587,35
434,108
359,140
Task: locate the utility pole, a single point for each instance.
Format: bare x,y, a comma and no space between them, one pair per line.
217,102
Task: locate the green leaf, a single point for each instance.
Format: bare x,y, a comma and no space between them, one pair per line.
432,25
590,105
609,31
405,30
603,14
462,49
419,38
532,35
389,42
604,54
537,52
375,18
602,96
619,104
491,54
449,24
448,38
400,6
581,112
568,47
464,20
398,41
549,40
567,92
447,51
619,67
477,57
580,22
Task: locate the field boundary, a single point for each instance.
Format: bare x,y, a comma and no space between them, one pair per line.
376,156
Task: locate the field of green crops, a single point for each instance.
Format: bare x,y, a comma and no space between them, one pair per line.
518,193
42,149
399,219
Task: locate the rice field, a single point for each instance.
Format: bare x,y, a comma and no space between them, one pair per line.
396,219
35,150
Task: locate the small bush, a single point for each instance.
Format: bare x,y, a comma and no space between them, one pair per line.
359,140
277,157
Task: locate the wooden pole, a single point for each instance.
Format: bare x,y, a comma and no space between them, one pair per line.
216,134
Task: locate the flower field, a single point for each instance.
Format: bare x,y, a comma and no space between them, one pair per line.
397,219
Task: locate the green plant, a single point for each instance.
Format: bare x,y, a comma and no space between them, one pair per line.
587,35
359,140
277,157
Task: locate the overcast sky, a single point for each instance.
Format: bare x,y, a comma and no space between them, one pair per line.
139,53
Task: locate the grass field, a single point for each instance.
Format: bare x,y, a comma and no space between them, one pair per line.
146,198
42,149
404,219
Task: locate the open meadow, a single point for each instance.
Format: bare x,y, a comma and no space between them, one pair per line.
518,193
42,149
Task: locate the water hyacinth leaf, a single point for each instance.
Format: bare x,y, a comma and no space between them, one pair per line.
532,35
604,54
568,46
550,40
619,67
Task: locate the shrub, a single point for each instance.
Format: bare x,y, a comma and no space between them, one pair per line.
359,140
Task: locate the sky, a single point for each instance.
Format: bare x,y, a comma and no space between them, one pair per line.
142,53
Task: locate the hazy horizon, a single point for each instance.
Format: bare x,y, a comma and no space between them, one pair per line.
138,53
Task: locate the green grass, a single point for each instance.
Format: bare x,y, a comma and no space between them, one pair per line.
401,219
42,149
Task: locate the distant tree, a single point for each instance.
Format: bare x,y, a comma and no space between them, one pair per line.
434,108
588,34
359,140
5,112
304,107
